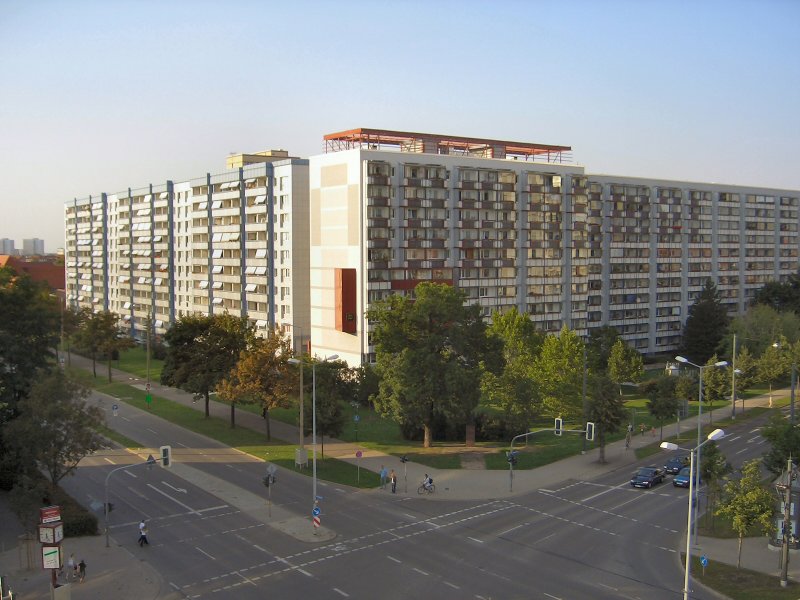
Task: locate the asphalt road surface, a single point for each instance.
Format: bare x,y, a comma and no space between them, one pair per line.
211,535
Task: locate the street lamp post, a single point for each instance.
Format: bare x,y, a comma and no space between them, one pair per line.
314,425
714,435
722,363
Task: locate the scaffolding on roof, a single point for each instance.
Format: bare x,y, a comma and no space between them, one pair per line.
432,143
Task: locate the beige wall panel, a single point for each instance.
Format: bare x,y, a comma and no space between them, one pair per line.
333,175
353,214
314,222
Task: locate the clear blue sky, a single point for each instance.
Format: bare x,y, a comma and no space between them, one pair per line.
99,96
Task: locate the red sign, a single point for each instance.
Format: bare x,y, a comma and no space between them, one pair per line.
49,514
316,522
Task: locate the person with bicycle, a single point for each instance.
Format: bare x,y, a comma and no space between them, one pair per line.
426,483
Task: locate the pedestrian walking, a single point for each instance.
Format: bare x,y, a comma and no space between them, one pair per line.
627,440
82,569
143,534
72,567
393,480
653,431
641,428
383,474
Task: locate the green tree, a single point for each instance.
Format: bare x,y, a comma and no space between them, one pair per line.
662,401
606,410
624,364
601,341
747,503
705,325
713,469
430,351
772,365
780,295
72,320
336,385
559,374
202,350
784,439
261,376
686,389
747,368
716,382
99,335
28,333
514,388
760,327
55,428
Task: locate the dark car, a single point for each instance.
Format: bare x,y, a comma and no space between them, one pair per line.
647,477
674,465
682,478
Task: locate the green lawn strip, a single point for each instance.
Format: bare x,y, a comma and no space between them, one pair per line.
241,438
134,361
742,584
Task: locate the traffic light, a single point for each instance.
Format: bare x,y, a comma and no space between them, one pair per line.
166,456
512,457
404,459
559,426
268,480
109,506
590,431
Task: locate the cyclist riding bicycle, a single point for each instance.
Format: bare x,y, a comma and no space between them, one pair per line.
426,483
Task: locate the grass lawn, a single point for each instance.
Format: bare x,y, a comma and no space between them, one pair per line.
241,438
741,584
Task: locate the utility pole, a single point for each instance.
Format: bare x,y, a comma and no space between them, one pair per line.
583,451
733,379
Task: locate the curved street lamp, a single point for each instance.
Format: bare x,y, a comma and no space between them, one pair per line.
714,435
700,368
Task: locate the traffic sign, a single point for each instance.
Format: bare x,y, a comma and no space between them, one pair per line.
704,561
316,511
359,454
316,522
115,408
356,418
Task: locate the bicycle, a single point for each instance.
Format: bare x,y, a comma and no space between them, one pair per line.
430,489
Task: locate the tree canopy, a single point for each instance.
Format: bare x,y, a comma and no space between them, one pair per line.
430,352
55,428
202,350
705,325
624,364
606,410
559,373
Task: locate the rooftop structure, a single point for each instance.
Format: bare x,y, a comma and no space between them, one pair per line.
434,143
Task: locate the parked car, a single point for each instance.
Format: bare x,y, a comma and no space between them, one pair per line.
682,478
674,465
647,477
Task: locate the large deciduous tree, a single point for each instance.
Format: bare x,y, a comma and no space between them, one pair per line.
624,364
559,372
785,441
606,410
28,332
100,335
662,401
705,325
601,341
712,470
336,385
429,355
261,376
202,350
747,503
55,428
780,295
514,389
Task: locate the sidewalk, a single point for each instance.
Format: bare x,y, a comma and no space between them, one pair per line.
125,578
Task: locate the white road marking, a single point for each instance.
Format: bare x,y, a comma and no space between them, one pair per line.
452,585
105,458
742,450
128,420
175,586
551,596
179,444
151,430
510,530
394,559
608,587
304,572
131,474
733,439
204,552
475,540
175,500
202,510
183,491
138,493
257,547
406,514
543,490
420,571
756,430
338,591
611,489
245,578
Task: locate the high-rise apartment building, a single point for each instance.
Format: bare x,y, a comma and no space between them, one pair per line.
307,245
235,242
7,247
514,226
32,247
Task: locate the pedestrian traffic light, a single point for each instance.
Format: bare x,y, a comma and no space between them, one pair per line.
166,456
109,506
559,426
404,459
512,457
590,431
